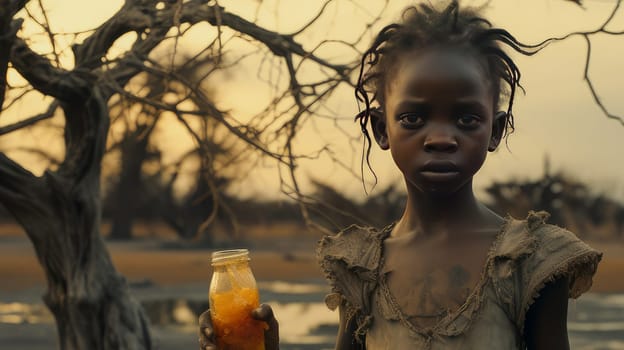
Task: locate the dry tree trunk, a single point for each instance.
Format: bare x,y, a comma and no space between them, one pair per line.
60,212
134,152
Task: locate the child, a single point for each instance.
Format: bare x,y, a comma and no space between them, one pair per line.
450,274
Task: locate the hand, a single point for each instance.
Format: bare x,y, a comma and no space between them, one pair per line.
262,313
206,333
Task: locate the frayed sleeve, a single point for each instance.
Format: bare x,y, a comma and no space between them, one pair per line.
557,253
350,261
533,253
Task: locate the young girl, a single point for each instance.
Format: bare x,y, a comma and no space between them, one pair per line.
450,274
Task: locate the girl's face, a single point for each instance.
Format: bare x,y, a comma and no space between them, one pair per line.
439,119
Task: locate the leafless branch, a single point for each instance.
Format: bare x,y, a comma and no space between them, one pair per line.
313,20
43,153
587,36
133,16
25,91
238,131
49,113
49,80
45,25
280,44
8,29
590,85
65,227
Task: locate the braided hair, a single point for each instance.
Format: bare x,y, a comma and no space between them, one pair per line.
424,26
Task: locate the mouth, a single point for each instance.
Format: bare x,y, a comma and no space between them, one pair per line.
439,170
440,166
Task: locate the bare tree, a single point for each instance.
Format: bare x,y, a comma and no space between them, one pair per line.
134,152
60,210
571,204
137,147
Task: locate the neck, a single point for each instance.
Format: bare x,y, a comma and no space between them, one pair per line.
434,214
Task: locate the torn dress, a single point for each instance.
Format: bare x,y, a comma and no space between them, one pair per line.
525,256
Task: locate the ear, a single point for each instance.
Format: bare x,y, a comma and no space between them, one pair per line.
378,124
498,128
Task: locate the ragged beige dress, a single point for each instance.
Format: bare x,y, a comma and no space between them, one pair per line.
524,257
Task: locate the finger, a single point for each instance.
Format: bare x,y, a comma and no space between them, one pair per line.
206,345
271,335
271,338
206,332
204,319
263,313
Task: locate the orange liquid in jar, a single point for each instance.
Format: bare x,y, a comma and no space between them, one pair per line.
234,327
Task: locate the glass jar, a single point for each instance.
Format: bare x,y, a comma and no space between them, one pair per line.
233,295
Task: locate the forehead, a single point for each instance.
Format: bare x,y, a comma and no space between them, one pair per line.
444,70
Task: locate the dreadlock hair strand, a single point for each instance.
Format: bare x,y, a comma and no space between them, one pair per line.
424,26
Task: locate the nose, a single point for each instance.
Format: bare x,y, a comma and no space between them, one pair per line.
440,141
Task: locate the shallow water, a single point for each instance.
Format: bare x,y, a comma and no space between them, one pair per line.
596,321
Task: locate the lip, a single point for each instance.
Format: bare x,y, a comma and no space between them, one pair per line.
439,166
439,170
439,176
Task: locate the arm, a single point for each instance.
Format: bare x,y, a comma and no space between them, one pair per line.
346,330
545,326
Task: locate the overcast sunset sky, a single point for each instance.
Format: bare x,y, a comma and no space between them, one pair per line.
557,116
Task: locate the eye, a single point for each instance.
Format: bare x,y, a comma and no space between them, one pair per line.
411,120
468,121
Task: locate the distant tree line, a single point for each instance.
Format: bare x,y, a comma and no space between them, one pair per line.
571,204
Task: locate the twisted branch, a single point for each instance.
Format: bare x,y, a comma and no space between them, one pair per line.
49,113
47,79
8,29
587,36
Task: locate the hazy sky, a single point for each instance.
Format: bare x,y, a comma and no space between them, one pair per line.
556,116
